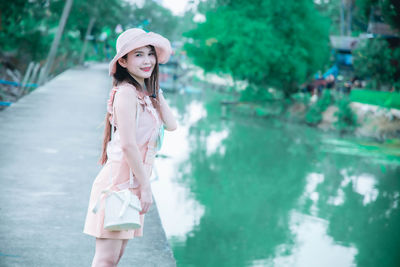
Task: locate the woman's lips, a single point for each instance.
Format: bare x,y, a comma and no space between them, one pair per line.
146,69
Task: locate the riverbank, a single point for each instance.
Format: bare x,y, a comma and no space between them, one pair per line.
370,121
51,141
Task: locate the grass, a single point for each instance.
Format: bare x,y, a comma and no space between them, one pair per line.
379,98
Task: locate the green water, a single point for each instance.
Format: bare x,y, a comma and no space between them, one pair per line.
254,192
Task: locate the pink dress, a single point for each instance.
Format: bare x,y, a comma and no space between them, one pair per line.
148,125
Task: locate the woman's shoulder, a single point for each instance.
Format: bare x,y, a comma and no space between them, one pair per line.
127,89
124,85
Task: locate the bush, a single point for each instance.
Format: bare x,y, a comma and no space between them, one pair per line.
314,114
346,118
255,94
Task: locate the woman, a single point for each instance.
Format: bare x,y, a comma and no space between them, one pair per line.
137,109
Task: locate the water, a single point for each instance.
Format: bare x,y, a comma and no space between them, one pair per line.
255,192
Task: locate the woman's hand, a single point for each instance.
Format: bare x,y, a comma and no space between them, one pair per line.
146,198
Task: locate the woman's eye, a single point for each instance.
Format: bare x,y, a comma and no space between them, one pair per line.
138,55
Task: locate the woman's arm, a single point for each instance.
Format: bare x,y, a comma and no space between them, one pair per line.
166,114
125,110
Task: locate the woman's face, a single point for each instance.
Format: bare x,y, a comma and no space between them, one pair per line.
140,63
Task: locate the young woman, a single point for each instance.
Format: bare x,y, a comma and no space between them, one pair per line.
135,78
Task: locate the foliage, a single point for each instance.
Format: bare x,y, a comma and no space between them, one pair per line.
28,28
390,10
154,17
301,97
314,114
253,93
374,59
357,13
265,42
331,9
346,118
22,27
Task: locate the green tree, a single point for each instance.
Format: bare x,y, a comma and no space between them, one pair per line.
154,17
267,43
375,60
24,25
357,13
28,28
389,10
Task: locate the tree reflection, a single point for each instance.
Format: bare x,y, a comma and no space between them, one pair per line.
247,191
371,226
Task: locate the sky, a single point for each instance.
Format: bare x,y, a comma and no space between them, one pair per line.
176,6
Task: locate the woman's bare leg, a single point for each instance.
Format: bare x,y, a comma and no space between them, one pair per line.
107,252
124,243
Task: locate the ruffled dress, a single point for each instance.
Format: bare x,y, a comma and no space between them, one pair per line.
148,126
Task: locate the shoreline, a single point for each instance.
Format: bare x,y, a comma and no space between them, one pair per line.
372,121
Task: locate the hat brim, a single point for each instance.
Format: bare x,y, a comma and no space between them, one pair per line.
161,45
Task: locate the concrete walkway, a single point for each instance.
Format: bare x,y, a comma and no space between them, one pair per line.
50,143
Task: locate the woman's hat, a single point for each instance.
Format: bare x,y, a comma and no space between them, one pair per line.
135,38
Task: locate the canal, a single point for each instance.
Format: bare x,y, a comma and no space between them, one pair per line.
245,191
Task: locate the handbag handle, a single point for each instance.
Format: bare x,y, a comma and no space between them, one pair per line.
112,137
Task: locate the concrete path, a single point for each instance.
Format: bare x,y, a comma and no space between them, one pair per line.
50,142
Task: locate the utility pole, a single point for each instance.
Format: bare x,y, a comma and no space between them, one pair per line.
53,50
342,29
349,8
88,32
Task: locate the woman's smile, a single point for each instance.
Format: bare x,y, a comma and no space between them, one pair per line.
146,69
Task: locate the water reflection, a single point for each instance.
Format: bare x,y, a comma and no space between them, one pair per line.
179,211
364,184
247,192
214,142
313,247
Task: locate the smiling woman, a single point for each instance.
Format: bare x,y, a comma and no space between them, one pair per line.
136,112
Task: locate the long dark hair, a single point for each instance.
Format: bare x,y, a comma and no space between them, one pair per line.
121,74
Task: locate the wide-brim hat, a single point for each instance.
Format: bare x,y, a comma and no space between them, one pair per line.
135,38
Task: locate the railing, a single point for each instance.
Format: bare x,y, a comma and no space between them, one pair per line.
22,85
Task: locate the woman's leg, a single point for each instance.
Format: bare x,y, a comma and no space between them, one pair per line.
124,243
107,252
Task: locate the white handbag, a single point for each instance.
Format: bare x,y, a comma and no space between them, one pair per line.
122,211
121,207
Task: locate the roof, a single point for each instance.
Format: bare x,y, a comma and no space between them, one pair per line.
344,42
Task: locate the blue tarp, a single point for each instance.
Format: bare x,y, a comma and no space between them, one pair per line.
18,84
5,103
334,70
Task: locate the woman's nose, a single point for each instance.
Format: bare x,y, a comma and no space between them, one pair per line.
147,59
